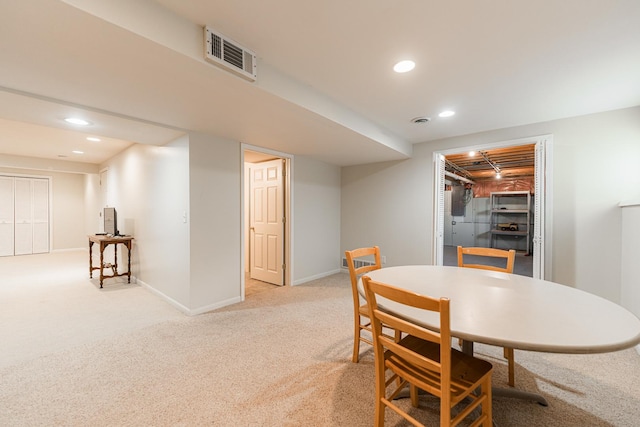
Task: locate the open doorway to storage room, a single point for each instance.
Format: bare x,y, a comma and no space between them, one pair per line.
265,225
493,196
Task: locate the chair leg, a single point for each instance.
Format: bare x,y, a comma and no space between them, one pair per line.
508,354
487,406
356,341
414,394
379,414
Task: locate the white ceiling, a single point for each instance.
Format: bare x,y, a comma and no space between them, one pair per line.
325,82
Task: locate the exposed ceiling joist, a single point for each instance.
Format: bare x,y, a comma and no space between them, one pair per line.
511,162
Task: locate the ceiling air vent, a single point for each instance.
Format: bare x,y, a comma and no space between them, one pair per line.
223,51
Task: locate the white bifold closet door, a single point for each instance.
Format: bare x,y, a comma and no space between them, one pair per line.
30,216
24,221
40,216
6,216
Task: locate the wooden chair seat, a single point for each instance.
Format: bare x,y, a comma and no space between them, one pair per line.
466,371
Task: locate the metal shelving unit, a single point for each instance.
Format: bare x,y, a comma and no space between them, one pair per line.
511,216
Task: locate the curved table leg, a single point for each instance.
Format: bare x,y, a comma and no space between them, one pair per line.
519,394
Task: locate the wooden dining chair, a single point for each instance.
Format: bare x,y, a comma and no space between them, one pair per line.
425,360
503,257
358,266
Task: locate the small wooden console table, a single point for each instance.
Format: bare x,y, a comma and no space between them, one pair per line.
104,241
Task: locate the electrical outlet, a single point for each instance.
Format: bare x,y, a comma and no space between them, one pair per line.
384,259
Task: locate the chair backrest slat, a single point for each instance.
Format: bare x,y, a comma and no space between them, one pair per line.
375,291
353,255
508,257
408,327
356,272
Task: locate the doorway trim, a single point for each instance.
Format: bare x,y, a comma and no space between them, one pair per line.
542,251
288,213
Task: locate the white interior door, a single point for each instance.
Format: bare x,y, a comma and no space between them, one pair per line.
6,216
267,222
23,216
40,188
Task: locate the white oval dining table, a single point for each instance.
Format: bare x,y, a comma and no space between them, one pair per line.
514,311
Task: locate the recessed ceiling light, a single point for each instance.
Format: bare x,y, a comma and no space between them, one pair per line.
447,113
93,138
77,152
76,121
472,153
404,66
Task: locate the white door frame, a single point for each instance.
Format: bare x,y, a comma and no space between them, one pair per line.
542,250
288,213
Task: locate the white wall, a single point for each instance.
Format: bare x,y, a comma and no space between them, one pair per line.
630,292
389,204
67,207
316,216
595,164
92,204
216,221
596,159
149,187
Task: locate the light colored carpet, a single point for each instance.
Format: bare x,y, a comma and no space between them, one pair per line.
77,355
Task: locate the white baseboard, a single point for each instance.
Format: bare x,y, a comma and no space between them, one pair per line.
317,276
171,301
70,250
215,306
182,308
